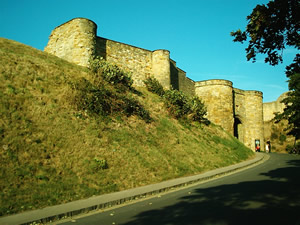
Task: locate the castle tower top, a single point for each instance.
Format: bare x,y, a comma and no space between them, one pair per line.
249,93
74,41
218,97
213,82
77,20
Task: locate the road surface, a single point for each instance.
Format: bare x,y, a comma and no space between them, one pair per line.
267,194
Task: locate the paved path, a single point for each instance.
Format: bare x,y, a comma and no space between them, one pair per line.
267,194
108,200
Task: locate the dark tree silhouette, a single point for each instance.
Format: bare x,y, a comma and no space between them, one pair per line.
270,29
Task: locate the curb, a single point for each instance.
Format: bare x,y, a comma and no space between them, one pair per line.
53,213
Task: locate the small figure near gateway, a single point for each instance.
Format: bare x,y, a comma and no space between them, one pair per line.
268,147
239,112
257,145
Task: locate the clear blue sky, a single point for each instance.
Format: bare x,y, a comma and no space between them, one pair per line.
196,32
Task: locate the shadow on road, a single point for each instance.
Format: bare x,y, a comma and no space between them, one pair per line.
274,199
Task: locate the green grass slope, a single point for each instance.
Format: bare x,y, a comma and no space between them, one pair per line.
52,152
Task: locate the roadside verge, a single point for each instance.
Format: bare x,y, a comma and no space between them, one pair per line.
57,212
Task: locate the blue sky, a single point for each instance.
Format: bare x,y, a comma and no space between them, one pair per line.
196,32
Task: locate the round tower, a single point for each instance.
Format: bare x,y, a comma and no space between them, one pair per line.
218,98
239,114
254,134
161,67
74,41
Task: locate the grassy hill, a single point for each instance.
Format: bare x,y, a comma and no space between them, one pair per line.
53,151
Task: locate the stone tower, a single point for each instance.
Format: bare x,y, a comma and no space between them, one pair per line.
218,98
248,117
239,112
161,67
254,121
74,41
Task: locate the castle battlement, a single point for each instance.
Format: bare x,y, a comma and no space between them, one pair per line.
239,112
213,82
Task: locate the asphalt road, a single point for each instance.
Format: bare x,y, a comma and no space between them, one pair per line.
267,194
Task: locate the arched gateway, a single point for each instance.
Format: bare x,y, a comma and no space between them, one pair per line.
238,129
239,112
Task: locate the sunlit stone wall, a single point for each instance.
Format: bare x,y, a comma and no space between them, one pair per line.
76,41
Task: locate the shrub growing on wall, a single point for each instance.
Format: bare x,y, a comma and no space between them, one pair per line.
110,72
154,86
198,110
178,104
108,92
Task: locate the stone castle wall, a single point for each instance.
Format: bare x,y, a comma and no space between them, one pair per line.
238,112
218,98
74,41
270,108
180,81
252,118
136,60
275,130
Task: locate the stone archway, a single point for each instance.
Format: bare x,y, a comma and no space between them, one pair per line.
238,129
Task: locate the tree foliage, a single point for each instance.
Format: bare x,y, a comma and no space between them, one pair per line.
270,29
154,86
292,101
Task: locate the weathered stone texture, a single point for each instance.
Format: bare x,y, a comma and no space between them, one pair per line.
254,119
218,97
249,111
135,60
161,67
272,107
239,104
73,41
186,84
238,112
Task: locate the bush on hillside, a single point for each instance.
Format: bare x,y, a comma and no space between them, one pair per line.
154,86
107,93
102,100
293,149
182,106
178,104
92,99
110,72
133,107
198,110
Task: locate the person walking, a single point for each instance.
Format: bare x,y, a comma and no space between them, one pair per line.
267,148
